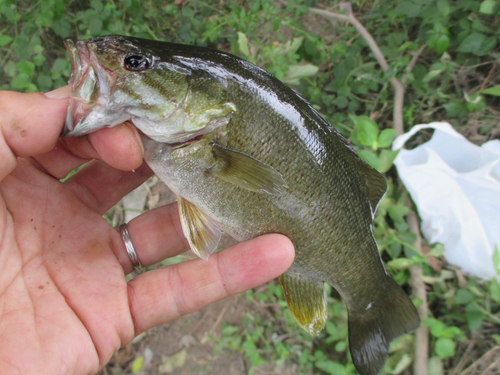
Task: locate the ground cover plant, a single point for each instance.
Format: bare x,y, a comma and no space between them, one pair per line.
443,53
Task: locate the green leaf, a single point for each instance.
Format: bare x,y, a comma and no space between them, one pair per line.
262,296
442,44
229,330
409,8
173,362
444,347
21,81
331,367
451,332
435,366
372,159
474,316
97,5
435,326
387,158
26,67
455,109
5,39
10,69
431,42
243,44
340,346
341,101
495,91
59,65
295,44
401,263
487,46
403,364
495,290
398,212
444,7
137,365
44,82
488,7
472,43
496,255
386,137
95,26
395,249
367,131
463,297
296,72
431,75
332,330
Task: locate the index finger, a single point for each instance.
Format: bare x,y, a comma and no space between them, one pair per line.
159,296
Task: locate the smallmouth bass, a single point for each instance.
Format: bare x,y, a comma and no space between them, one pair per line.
247,155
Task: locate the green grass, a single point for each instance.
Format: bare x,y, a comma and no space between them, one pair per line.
455,78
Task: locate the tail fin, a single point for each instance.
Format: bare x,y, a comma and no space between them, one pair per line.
373,327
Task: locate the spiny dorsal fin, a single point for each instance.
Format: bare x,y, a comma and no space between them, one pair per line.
202,232
306,300
248,173
376,185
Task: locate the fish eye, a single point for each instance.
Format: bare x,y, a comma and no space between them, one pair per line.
137,63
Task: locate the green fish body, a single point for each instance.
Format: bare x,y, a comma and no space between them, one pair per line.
247,155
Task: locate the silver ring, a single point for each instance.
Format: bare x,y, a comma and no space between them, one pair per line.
130,247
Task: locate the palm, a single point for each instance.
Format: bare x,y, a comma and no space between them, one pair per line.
61,285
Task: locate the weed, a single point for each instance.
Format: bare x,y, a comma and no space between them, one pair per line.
447,53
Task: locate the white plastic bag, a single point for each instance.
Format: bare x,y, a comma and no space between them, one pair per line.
456,187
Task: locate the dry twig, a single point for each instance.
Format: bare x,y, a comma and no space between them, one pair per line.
398,87
422,333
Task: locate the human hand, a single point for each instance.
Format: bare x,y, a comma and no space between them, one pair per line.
65,305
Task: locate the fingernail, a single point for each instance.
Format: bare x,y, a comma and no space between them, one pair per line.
60,93
137,135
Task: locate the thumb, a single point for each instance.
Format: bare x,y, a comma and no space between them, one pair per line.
30,124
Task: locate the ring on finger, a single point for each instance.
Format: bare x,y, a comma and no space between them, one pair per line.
123,229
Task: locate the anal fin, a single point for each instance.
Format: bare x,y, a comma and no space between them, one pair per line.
202,232
306,300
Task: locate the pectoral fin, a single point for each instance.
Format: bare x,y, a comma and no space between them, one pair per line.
246,172
202,232
306,300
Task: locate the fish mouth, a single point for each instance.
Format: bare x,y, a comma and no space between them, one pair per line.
90,82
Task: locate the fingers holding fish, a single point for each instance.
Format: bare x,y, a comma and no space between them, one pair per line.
71,153
120,146
100,186
30,125
156,235
163,295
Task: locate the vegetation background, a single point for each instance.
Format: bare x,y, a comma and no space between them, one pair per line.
446,55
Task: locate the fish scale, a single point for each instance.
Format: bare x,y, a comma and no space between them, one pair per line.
247,155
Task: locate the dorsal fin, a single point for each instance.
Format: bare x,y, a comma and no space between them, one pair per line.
376,186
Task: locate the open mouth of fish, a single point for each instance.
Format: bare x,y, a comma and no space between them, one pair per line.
90,81
100,97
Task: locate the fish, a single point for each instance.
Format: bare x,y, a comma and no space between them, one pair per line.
247,155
